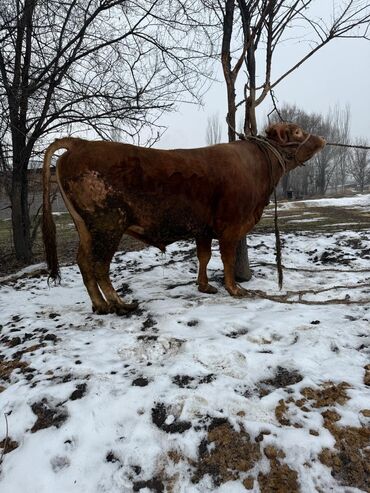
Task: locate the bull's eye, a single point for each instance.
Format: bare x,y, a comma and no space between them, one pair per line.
298,132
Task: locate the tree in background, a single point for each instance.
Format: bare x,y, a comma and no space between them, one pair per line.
360,164
330,167
252,33
214,130
93,65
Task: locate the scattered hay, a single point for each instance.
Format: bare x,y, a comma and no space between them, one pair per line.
280,413
225,453
329,395
8,366
280,479
350,461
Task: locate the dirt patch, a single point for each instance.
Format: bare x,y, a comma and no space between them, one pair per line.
148,323
328,395
282,378
111,457
280,413
225,453
166,421
350,461
367,375
333,256
8,445
79,392
47,415
280,479
184,381
140,382
155,484
237,333
189,382
8,366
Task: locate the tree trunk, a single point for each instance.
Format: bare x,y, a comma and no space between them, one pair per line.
20,215
231,113
242,269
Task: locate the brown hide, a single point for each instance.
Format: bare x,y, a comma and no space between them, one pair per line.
161,196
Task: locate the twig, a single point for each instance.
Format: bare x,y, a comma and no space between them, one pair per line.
284,298
275,108
303,269
241,136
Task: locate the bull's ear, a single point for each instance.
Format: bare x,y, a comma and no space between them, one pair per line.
278,132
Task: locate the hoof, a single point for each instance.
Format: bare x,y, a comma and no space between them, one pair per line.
237,291
207,289
102,310
126,308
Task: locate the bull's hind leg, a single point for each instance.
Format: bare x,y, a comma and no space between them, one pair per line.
86,265
204,253
228,256
105,245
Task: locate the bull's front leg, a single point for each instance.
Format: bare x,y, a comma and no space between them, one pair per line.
228,256
204,253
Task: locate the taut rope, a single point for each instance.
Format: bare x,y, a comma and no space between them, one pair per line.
347,145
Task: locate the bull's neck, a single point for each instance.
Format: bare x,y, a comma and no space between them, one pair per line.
275,169
275,160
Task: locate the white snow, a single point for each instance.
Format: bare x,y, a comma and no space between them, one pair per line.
226,347
360,201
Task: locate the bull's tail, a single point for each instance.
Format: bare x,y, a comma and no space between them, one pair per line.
48,224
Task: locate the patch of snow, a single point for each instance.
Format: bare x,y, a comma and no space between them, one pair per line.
357,201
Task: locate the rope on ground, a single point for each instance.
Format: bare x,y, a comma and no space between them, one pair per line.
285,298
304,269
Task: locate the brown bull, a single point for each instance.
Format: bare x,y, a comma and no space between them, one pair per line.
162,196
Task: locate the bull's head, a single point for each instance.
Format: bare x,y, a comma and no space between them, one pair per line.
296,145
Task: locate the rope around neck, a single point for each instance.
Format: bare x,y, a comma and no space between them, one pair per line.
265,142
264,145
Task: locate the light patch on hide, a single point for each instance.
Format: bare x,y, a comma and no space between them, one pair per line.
89,191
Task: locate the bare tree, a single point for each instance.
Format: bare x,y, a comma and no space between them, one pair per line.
360,164
92,64
342,120
322,172
214,130
251,27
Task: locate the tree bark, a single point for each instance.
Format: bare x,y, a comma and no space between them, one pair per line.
242,269
20,215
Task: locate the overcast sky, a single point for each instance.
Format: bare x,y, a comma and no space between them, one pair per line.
339,74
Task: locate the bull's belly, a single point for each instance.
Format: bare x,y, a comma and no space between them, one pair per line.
165,230
167,219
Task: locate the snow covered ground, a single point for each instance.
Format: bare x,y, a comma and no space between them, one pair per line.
360,201
192,393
